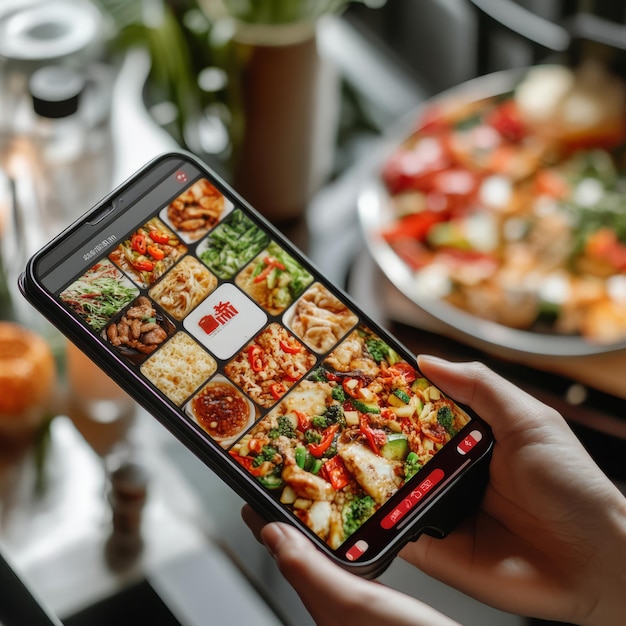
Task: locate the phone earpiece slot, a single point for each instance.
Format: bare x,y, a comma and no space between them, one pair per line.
99,215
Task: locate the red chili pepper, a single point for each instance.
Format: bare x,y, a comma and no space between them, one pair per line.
143,265
318,449
270,264
138,243
277,390
274,262
255,358
247,462
304,421
336,473
155,253
159,237
292,347
376,438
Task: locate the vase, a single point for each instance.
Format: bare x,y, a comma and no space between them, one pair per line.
286,117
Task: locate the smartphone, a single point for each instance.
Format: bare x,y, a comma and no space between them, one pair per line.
220,328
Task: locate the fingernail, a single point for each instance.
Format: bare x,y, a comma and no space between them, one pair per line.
431,358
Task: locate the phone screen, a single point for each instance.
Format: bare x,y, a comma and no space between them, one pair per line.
267,364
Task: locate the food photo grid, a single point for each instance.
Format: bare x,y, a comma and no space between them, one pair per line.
253,349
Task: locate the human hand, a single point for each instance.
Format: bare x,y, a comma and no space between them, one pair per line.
550,538
333,596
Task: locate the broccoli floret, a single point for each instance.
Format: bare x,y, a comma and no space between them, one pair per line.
312,436
334,415
319,421
380,351
267,454
446,418
338,394
284,428
318,375
355,512
412,465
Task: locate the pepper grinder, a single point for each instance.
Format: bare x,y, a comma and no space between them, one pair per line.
128,490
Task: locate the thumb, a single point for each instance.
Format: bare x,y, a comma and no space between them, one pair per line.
504,406
333,596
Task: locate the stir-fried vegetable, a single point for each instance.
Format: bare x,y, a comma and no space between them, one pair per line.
232,244
99,294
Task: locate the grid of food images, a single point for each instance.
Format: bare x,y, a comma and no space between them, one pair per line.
266,360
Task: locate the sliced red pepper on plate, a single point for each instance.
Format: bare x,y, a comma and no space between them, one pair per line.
256,358
304,421
138,243
156,253
159,237
270,264
291,347
247,462
277,390
375,437
336,473
143,265
318,449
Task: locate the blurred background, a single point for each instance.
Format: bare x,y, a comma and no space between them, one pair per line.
104,517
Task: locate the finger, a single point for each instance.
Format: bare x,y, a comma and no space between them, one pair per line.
253,520
335,597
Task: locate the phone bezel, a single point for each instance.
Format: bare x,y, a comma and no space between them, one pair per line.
438,515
